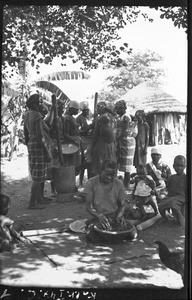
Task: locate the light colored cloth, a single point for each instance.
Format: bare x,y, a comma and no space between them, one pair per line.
160,174
5,224
86,138
143,131
126,144
143,189
105,196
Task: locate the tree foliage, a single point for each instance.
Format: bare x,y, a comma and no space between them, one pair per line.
40,33
137,68
178,15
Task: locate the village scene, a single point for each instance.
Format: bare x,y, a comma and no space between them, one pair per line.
94,200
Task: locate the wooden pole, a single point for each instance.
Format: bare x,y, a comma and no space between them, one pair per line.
58,134
95,103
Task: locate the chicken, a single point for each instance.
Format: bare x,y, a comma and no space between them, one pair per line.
172,259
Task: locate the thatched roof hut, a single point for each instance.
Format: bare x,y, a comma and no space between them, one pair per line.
152,99
165,114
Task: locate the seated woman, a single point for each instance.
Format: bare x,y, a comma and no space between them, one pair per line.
176,186
159,171
105,196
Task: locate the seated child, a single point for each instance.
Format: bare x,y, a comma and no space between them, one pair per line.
176,187
143,190
8,235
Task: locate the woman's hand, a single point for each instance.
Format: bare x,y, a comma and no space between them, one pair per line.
121,220
104,221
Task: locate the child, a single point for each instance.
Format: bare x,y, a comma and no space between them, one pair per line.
8,235
143,189
176,187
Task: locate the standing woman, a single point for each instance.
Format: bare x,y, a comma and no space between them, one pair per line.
71,133
125,138
103,141
85,130
142,139
37,139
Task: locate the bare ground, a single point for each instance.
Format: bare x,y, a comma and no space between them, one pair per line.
15,183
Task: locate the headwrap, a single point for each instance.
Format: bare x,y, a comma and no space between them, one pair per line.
101,103
74,104
84,105
140,112
33,101
156,150
121,103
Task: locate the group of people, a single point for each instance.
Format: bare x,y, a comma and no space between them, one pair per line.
110,134
108,142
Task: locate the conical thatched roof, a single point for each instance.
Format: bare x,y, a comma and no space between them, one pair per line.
65,75
152,99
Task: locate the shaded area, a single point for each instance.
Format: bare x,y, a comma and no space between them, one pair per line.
84,265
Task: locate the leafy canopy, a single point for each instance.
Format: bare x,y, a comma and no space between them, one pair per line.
82,33
137,68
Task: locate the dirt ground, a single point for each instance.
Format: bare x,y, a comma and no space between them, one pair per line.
16,184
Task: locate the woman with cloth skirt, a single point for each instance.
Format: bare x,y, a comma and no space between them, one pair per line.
103,142
125,137
142,139
86,132
37,140
71,133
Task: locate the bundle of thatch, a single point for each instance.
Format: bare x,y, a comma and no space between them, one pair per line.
152,99
65,75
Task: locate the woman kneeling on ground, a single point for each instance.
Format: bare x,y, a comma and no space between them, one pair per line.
105,196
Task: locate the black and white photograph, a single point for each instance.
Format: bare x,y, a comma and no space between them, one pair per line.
95,176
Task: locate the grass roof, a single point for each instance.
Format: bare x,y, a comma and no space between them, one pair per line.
152,99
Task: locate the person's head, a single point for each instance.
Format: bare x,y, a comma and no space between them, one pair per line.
141,170
156,155
73,107
104,120
140,115
84,106
100,106
4,204
179,164
108,171
120,107
33,102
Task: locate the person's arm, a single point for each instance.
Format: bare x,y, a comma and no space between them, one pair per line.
90,208
26,135
146,138
15,234
150,182
121,205
50,118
